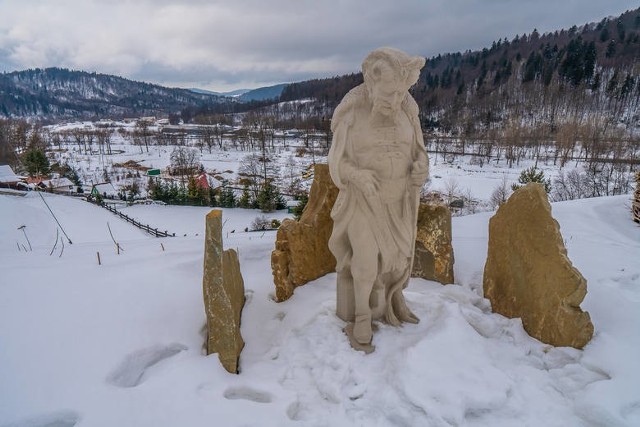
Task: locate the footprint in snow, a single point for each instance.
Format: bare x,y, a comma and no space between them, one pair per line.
54,419
131,371
247,393
295,411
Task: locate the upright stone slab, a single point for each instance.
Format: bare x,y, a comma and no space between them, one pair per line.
433,255
528,273
223,290
302,252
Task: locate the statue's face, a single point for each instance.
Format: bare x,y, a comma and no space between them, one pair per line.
387,90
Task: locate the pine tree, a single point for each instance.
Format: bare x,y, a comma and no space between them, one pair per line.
303,199
270,199
213,199
36,163
532,174
227,199
245,199
195,193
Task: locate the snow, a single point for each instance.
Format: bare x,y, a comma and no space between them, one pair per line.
120,344
7,175
457,177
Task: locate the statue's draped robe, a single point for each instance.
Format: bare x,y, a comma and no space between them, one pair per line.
394,239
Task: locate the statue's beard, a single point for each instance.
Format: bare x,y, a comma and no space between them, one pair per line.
382,107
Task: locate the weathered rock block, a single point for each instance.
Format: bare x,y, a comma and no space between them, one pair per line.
433,255
223,290
528,273
302,252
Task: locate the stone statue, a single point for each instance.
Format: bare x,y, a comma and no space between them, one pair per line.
379,164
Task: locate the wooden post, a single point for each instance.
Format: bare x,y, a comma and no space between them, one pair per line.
118,248
98,253
162,246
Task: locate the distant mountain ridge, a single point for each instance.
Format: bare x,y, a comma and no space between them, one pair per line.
55,93
232,93
248,95
264,93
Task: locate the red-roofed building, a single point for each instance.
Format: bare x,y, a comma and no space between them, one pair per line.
202,181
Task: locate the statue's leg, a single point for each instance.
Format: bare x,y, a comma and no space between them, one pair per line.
364,269
345,306
377,300
398,303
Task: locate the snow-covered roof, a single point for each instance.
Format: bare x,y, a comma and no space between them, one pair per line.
106,187
7,175
58,182
6,170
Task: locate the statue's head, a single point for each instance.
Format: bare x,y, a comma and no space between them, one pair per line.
388,75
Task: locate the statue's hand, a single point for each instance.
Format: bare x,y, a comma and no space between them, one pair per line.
419,172
365,180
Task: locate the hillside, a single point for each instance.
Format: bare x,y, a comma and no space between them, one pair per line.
263,93
55,93
567,76
533,81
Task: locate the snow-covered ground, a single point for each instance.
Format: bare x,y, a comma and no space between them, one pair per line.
455,174
120,344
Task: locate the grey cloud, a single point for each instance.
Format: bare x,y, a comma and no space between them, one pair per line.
223,44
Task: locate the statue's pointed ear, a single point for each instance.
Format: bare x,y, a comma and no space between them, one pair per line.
413,67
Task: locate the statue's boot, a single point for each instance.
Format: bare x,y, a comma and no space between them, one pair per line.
362,330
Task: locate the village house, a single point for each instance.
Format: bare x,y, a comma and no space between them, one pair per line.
60,185
202,181
105,190
8,179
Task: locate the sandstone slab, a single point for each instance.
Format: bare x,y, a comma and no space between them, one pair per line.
433,255
301,251
528,273
223,289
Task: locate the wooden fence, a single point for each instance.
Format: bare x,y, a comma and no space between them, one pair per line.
147,228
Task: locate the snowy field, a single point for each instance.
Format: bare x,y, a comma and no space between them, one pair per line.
453,173
120,344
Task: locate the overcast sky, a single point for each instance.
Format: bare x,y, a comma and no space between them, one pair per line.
224,45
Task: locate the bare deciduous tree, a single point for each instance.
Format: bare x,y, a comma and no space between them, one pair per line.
500,194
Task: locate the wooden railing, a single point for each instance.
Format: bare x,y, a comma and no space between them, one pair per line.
144,227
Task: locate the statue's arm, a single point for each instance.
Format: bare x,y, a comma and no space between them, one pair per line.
341,165
420,166
342,168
